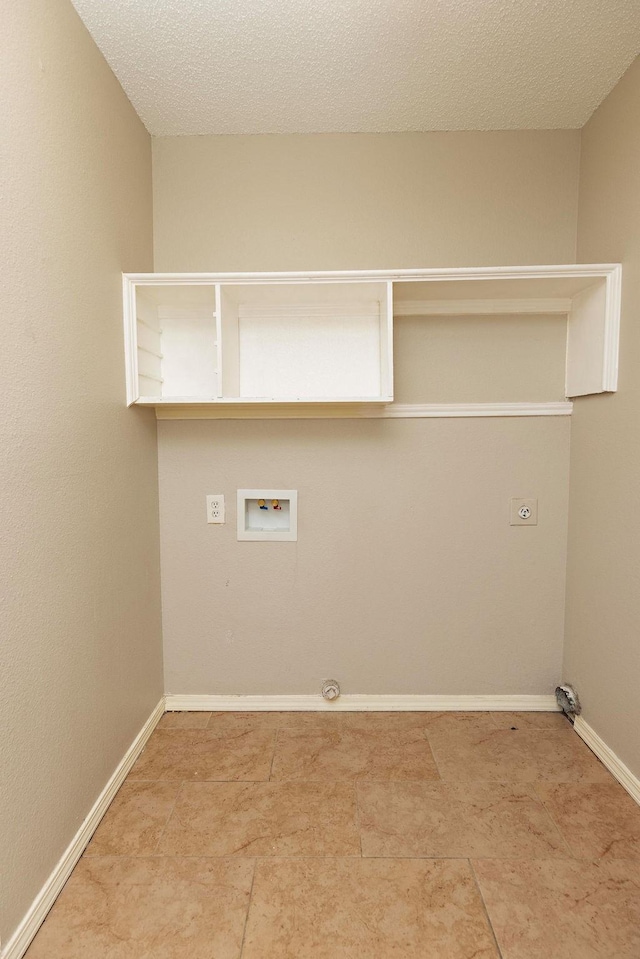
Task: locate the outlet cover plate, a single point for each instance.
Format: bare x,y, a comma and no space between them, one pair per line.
215,508
524,511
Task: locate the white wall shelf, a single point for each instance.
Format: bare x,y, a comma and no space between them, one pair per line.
321,344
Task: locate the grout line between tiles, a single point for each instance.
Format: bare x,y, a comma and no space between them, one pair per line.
228,857
273,755
484,906
433,757
557,825
382,782
246,918
435,858
358,823
164,828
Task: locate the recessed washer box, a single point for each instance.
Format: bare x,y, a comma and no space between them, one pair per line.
268,514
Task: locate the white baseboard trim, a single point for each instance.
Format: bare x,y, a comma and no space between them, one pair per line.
607,756
359,703
21,938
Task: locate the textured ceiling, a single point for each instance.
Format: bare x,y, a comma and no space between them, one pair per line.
309,66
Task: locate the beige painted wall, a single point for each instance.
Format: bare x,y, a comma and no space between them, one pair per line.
365,201
436,595
479,359
603,602
439,594
79,607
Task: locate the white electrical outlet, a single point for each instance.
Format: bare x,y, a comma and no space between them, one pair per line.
215,508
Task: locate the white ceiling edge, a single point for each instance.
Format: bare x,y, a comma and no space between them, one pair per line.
201,67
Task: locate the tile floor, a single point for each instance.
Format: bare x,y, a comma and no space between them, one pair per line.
358,836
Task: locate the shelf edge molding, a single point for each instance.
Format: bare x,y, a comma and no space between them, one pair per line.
217,411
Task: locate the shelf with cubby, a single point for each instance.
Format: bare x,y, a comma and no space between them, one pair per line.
281,344
193,341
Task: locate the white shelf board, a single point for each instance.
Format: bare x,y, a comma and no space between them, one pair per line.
241,401
571,270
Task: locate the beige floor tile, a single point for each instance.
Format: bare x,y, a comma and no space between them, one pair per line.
223,721
184,720
457,820
263,819
352,753
558,909
239,753
148,909
459,720
366,909
520,755
386,721
421,720
135,820
598,820
320,719
530,720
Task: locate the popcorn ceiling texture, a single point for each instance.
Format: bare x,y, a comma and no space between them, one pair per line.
313,66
